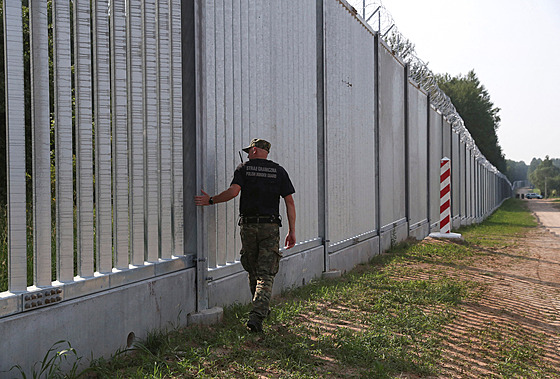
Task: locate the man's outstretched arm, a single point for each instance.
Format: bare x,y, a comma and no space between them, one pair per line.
222,197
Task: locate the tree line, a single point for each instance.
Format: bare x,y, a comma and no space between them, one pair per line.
472,102
481,118
544,174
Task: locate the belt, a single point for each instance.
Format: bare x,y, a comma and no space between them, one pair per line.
266,219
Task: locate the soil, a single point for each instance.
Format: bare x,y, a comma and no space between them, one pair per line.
521,298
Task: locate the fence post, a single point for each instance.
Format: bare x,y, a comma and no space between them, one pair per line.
445,202
193,50
445,196
322,137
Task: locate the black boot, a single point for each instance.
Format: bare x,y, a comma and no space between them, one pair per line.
255,326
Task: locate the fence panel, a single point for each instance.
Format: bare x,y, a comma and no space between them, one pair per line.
470,184
349,124
417,155
446,138
392,187
260,82
456,188
435,155
464,179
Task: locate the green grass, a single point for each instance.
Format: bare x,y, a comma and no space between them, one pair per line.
506,350
511,220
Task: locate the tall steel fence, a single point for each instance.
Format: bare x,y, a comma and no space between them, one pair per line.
150,101
104,139
360,138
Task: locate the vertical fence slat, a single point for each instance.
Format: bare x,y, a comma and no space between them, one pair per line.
220,141
136,131
177,126
83,132
236,112
165,163
102,86
229,130
63,144
15,146
40,115
209,134
151,131
119,135
244,87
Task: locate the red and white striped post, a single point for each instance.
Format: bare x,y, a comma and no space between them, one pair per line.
445,196
445,202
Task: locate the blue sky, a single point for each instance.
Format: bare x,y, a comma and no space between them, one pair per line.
514,48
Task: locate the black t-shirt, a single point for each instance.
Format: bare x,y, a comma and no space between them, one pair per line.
262,183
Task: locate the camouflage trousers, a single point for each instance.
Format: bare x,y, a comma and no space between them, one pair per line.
260,257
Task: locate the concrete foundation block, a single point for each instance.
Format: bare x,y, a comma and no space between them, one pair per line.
206,317
346,259
420,232
228,290
332,274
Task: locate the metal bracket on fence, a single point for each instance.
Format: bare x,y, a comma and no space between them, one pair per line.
43,298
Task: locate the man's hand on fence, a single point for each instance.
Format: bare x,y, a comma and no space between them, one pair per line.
203,199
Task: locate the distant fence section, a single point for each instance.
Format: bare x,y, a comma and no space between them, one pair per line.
153,102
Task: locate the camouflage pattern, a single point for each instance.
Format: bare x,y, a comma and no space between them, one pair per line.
260,143
260,257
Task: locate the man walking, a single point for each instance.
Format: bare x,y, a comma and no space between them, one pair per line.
261,182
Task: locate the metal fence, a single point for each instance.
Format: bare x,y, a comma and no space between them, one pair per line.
361,140
363,153
116,145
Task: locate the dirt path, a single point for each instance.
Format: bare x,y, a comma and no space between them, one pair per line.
522,297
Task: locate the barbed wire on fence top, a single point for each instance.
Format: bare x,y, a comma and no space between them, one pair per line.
374,13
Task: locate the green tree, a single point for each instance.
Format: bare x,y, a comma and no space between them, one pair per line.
516,170
481,118
546,177
535,162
